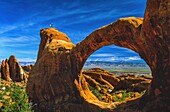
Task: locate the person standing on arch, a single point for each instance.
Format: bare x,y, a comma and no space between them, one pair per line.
51,25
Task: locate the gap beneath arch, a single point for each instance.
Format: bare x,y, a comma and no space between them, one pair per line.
117,60
116,74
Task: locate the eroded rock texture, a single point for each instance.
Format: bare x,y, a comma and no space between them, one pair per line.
56,82
11,70
27,68
5,70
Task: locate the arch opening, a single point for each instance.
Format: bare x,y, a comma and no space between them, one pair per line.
117,60
116,74
102,86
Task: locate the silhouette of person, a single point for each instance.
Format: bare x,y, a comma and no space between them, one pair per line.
51,25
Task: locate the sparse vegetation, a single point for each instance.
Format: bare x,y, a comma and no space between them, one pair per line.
123,95
96,92
13,98
117,96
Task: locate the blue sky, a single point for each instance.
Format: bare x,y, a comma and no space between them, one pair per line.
21,20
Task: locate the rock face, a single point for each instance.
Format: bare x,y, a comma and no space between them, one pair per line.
5,70
55,39
27,68
56,82
12,71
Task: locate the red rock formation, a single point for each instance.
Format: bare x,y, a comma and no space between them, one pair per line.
133,82
56,80
101,77
55,36
5,70
27,68
11,70
108,84
2,67
12,64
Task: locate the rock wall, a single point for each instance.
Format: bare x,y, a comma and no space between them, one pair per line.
56,82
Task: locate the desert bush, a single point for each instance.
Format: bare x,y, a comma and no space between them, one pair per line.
96,92
13,98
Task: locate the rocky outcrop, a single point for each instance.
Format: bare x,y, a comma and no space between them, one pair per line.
133,83
56,82
11,70
5,70
54,39
107,84
100,77
27,68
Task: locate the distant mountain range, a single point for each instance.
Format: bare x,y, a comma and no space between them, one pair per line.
135,63
127,67
105,64
27,63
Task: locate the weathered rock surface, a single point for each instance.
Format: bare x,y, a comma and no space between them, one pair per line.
5,70
27,68
133,82
101,77
11,70
107,84
56,82
54,40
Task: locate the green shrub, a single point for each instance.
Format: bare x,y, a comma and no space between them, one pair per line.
125,95
14,99
96,92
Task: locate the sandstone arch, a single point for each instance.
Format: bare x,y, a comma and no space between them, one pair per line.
56,83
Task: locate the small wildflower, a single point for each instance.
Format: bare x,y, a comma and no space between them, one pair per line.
1,104
27,100
3,88
7,93
6,97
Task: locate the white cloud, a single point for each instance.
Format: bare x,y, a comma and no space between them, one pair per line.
28,52
22,59
26,60
115,59
14,45
134,58
17,39
102,55
7,28
18,42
